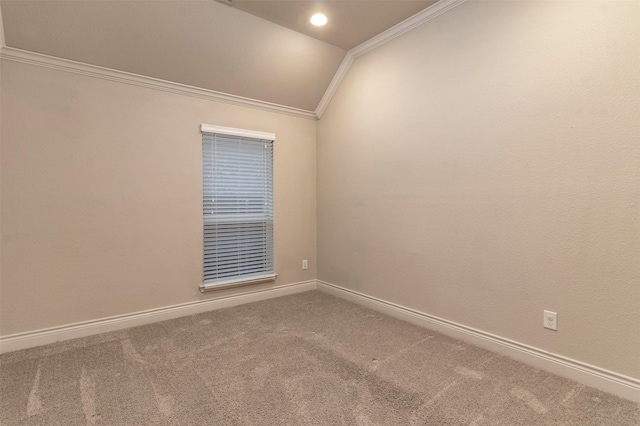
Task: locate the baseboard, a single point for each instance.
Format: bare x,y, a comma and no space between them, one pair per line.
31,339
608,381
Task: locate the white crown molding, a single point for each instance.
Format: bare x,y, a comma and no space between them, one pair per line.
608,381
75,67
397,30
38,59
335,82
32,339
2,44
408,24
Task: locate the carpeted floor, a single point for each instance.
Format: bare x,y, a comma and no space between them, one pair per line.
307,359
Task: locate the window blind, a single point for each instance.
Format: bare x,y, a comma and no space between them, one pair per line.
237,206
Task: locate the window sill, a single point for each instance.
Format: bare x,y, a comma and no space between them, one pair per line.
236,283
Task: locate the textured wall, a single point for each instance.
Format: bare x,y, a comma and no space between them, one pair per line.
486,166
102,192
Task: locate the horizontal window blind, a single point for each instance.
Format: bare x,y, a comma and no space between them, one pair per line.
237,207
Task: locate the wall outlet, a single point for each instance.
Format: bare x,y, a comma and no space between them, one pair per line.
305,265
550,320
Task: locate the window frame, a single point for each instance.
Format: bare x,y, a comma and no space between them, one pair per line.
237,280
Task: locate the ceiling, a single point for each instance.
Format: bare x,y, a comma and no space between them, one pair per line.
351,22
261,50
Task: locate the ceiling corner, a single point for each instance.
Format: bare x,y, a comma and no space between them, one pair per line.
397,30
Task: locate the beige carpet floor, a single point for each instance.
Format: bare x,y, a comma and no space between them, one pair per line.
306,359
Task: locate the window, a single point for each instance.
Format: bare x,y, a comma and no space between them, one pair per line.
237,206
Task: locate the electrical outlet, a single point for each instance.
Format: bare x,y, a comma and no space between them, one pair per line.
550,320
305,264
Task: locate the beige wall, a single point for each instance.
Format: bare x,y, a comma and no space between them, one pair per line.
101,196
481,168
486,166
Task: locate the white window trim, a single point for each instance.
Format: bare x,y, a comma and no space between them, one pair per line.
237,283
234,282
210,128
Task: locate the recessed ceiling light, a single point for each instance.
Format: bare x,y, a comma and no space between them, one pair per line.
318,19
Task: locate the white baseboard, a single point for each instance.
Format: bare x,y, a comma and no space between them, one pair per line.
608,381
31,339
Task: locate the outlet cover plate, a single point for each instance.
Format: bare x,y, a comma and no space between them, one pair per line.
550,320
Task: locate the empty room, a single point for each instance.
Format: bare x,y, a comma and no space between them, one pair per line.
265,212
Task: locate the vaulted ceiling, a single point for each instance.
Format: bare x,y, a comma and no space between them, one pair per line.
256,49
351,22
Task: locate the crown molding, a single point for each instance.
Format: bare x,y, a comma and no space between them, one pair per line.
335,82
397,30
104,73
46,61
408,24
2,44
